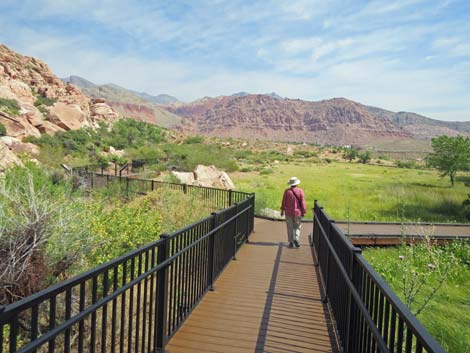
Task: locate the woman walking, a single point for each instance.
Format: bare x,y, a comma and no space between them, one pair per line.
294,208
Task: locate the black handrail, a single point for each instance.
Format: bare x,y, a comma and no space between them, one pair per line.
368,314
138,301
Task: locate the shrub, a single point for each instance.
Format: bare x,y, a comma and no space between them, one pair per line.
41,231
364,157
407,164
10,106
305,154
193,139
3,130
41,100
266,171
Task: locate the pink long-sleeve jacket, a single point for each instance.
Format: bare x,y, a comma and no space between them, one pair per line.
290,205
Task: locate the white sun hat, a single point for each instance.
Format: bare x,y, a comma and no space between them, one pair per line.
293,181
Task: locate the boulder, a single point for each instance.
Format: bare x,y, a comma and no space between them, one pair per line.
7,157
25,147
210,176
115,152
10,140
67,117
185,177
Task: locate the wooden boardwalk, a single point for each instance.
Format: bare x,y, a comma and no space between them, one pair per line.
268,300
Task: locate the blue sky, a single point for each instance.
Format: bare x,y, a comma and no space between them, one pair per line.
411,55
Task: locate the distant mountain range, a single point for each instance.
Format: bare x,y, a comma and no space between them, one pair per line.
336,121
139,105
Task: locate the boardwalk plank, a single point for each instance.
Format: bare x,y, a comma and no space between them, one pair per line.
268,300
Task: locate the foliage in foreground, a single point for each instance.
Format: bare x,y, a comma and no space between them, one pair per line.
408,272
49,232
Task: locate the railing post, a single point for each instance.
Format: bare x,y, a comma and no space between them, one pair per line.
91,180
350,318
162,296
230,198
153,185
235,236
127,186
211,259
327,270
184,188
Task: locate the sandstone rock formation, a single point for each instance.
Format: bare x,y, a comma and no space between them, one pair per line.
29,82
207,176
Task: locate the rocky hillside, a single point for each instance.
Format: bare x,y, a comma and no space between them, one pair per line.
335,121
34,101
141,106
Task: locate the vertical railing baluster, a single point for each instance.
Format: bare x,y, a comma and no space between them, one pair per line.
131,307
122,327
81,324
144,304
162,296
34,325
94,295
114,310
104,317
68,313
138,308
52,315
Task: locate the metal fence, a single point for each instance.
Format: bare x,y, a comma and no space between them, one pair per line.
137,302
369,316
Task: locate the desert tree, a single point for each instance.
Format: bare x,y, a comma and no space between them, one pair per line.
350,154
364,157
450,155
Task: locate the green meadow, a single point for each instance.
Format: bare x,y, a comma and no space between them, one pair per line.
447,316
362,192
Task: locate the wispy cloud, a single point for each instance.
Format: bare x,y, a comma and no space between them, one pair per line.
401,55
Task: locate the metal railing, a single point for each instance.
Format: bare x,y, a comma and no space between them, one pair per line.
137,302
369,316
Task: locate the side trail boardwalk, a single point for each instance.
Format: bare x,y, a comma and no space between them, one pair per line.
268,300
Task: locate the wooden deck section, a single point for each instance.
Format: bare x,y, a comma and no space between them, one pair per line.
268,300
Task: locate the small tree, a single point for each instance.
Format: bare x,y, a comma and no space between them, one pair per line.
450,155
350,154
365,157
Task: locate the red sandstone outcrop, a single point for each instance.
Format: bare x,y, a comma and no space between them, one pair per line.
28,81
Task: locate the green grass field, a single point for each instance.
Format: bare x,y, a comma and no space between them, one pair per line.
447,316
353,191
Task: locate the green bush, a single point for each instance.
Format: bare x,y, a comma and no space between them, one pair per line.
193,139
3,130
10,106
266,171
41,100
305,154
407,164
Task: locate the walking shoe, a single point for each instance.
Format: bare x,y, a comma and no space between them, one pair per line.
291,245
296,243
